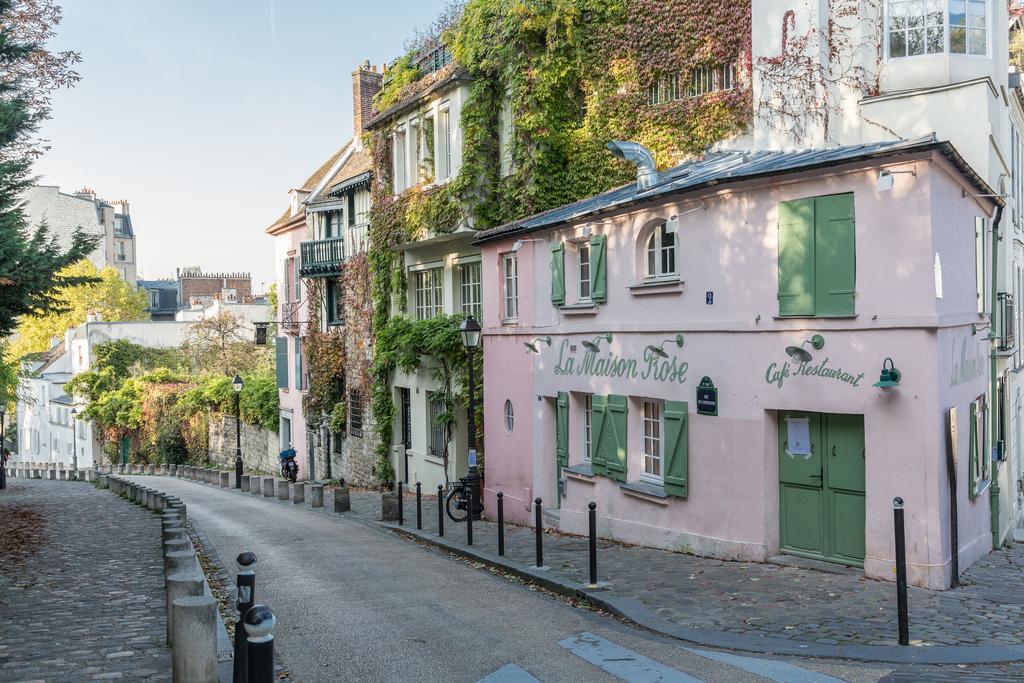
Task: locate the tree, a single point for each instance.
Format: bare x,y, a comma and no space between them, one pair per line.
221,344
101,292
29,263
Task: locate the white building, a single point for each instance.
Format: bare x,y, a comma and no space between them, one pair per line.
45,419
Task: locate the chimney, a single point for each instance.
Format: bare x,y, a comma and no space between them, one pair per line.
366,82
121,206
86,193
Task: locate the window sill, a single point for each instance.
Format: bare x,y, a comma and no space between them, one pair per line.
582,472
433,459
647,492
579,309
655,287
510,322
815,317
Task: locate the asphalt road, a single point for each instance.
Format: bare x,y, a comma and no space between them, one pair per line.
357,603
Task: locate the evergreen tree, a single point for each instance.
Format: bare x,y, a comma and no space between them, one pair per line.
30,262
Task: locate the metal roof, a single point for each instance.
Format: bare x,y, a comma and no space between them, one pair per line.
363,179
724,168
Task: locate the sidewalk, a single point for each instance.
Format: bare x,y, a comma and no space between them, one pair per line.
754,606
81,586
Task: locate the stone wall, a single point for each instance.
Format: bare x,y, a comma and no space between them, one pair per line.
260,447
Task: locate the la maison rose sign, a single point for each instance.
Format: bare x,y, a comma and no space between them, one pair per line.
608,364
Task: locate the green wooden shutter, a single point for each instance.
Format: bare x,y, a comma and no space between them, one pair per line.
598,271
677,448
835,268
561,438
558,274
796,257
614,441
281,361
598,412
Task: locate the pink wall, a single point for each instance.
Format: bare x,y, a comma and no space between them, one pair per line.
287,245
731,249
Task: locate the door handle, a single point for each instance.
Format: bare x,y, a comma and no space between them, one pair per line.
814,476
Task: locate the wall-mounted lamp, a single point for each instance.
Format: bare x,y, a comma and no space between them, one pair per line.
672,224
885,179
594,346
660,351
1002,189
890,377
533,347
588,230
518,244
799,355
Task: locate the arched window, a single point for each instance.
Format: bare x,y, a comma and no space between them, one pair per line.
661,254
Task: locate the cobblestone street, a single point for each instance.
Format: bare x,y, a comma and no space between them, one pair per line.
86,601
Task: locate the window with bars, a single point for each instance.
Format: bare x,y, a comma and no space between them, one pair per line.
437,408
701,81
665,89
429,293
470,290
355,413
653,428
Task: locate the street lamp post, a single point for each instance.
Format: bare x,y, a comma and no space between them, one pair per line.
74,440
470,332
237,385
3,447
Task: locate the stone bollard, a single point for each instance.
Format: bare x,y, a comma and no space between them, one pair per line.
104,480
150,470
163,470
225,480
180,562
389,506
245,483
342,501
298,492
316,495
35,472
174,532
120,469
194,640
255,485
268,487
282,489
177,545
180,586
62,475
172,470
51,474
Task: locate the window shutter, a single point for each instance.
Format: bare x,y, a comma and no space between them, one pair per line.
287,282
298,363
979,261
281,361
558,274
562,430
598,271
796,257
677,448
835,268
614,441
598,412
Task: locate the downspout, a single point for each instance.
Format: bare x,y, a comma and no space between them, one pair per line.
994,360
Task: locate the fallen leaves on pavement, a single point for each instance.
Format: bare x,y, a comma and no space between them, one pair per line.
22,533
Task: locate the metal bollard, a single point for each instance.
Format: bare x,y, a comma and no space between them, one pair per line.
419,507
440,510
901,571
400,506
246,583
501,523
539,526
593,544
259,625
471,508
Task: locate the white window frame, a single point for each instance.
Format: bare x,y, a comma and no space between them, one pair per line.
509,415
471,292
443,148
657,251
401,160
584,283
653,419
946,6
510,286
428,293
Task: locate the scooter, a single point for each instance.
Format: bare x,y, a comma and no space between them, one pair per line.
289,468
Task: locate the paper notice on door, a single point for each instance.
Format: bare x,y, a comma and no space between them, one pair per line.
798,436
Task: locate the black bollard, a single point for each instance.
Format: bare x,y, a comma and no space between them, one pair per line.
471,505
400,517
246,583
259,626
440,510
901,571
501,523
539,526
419,508
593,544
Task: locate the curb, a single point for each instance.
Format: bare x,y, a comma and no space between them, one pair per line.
640,615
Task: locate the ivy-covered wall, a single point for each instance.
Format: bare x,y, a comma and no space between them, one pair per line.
567,76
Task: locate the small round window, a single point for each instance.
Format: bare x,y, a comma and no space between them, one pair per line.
510,418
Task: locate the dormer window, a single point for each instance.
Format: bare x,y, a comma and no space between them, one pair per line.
924,27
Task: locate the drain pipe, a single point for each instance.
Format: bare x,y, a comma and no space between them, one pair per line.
646,171
994,367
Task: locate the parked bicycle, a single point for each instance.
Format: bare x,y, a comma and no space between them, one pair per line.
456,503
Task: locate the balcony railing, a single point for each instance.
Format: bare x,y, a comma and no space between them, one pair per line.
323,258
290,316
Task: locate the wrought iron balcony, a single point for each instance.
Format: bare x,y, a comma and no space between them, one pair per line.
323,258
290,311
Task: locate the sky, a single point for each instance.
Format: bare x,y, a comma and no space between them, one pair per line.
204,114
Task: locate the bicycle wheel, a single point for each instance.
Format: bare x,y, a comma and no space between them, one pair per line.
456,506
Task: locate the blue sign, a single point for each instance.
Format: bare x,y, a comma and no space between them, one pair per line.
709,298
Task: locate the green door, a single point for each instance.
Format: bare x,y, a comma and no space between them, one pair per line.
126,444
821,486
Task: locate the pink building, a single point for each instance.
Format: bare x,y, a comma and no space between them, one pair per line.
700,354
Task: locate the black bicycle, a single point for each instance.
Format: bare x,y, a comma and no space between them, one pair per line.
457,502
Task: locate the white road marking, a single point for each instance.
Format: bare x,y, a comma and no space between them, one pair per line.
622,663
772,669
510,673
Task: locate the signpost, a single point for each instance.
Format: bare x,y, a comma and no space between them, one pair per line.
707,397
